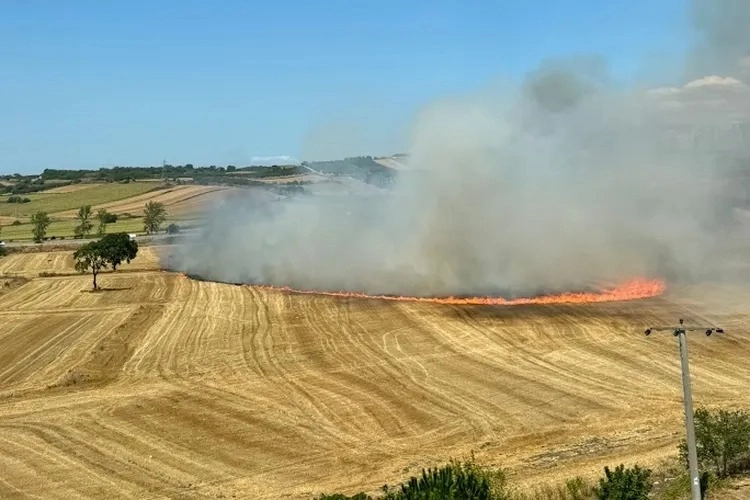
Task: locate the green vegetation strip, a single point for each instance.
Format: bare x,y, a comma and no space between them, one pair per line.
96,194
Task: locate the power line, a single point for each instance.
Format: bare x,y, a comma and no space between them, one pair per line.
687,396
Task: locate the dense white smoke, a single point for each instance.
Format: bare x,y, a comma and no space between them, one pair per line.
563,183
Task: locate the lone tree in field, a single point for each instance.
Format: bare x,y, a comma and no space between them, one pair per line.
154,215
89,257
116,248
84,228
102,216
40,222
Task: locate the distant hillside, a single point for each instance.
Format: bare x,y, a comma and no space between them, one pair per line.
362,168
380,172
397,161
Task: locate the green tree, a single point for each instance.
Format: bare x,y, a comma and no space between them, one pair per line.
722,440
84,228
624,484
116,248
89,257
154,215
40,222
103,217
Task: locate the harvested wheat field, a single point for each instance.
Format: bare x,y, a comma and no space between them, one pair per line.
32,264
184,196
70,188
164,387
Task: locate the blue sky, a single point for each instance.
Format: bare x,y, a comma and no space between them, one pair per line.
89,83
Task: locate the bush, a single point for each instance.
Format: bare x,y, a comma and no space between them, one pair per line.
574,489
16,223
624,484
449,482
455,481
173,229
17,199
722,441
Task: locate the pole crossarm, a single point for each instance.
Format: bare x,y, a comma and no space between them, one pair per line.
681,328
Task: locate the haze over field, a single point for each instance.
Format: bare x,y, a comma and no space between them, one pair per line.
565,181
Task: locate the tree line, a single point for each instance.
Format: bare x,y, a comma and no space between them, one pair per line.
154,216
119,174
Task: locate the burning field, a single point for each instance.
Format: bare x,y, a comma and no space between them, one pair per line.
529,195
631,290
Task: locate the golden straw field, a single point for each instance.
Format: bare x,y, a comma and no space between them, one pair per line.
164,387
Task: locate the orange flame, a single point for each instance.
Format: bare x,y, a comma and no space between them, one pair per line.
638,288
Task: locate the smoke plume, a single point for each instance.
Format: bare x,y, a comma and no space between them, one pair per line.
564,182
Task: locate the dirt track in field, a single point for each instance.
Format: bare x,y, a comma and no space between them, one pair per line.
164,387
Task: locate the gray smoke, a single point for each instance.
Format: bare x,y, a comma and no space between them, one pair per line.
723,36
562,183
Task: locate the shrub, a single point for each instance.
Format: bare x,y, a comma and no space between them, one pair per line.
16,223
624,484
573,489
449,482
17,199
722,441
173,229
455,481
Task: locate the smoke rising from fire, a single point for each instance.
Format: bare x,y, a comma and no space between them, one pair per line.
561,183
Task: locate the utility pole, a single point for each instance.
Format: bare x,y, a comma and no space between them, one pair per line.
687,397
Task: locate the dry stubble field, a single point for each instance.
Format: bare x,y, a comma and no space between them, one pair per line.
164,387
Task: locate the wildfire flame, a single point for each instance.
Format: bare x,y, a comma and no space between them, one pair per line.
638,288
